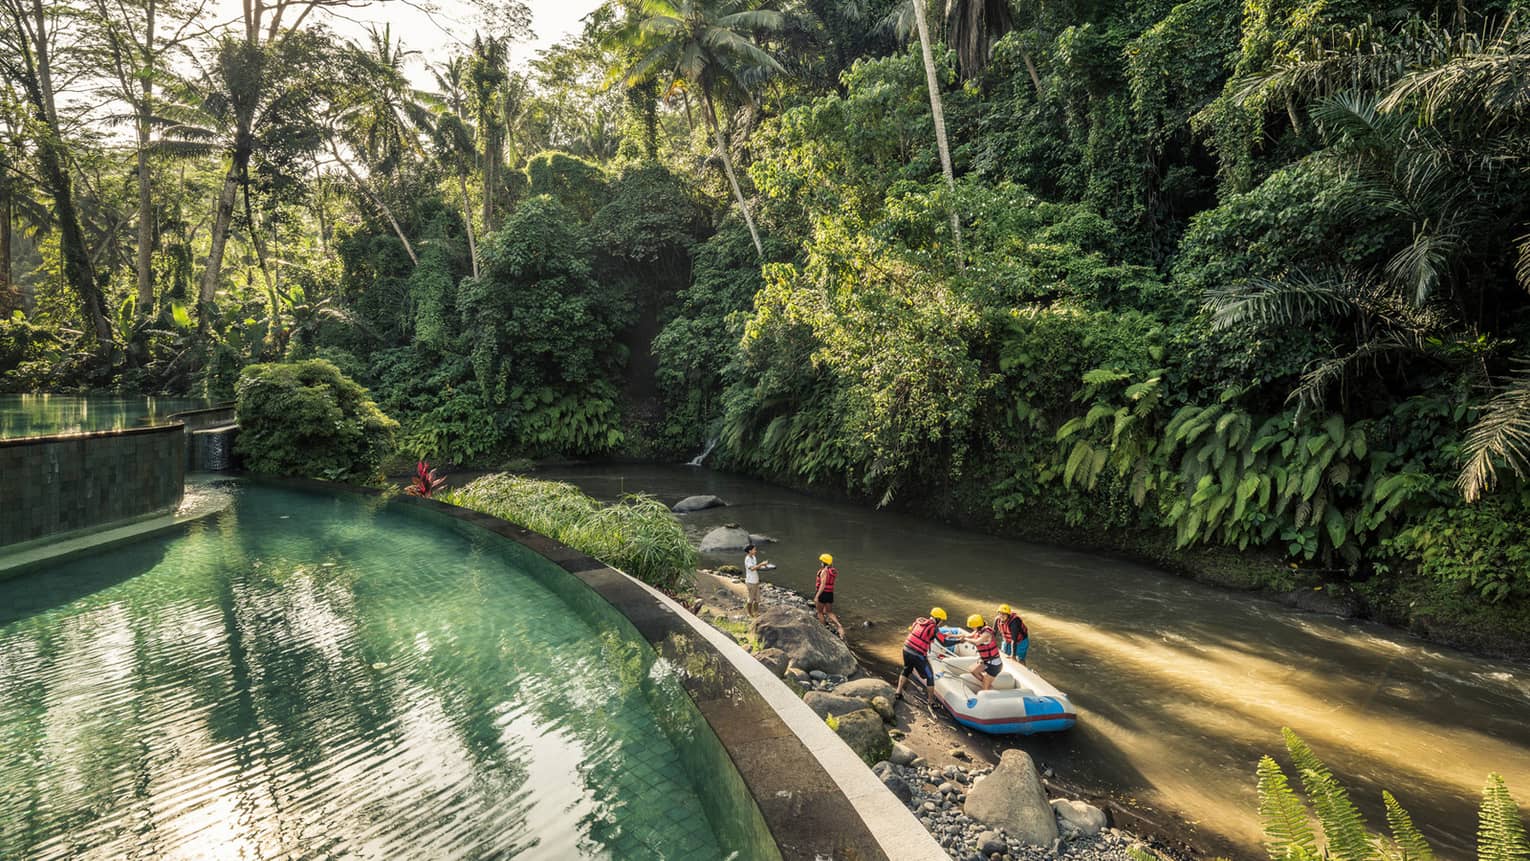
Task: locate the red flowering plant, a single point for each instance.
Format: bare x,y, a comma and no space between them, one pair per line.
425,482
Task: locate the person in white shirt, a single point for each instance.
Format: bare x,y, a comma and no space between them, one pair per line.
752,568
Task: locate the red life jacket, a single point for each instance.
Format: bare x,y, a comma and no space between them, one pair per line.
1012,627
826,578
989,650
922,634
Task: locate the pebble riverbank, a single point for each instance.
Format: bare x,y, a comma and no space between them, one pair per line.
936,795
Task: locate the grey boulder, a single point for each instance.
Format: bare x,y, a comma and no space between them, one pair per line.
863,731
805,641
697,503
1011,799
1083,817
725,538
990,842
774,659
825,704
901,754
866,689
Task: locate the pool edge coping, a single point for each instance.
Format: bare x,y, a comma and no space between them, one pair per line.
893,829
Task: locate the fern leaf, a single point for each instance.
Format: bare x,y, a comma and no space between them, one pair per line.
1287,831
1500,834
1409,839
1343,826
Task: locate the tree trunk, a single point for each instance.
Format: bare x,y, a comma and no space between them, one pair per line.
939,113
145,307
221,220
376,201
1030,68
467,221
53,163
727,160
10,298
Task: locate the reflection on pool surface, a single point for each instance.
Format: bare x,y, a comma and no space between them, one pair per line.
305,676
39,415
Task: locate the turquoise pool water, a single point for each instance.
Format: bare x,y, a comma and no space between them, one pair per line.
38,415
313,676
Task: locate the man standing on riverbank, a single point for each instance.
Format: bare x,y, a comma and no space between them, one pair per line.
823,592
916,653
752,567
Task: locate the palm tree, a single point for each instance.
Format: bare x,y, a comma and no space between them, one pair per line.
916,10
706,46
379,118
975,25
454,138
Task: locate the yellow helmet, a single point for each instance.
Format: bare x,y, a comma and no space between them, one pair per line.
937,613
974,621
826,559
1004,608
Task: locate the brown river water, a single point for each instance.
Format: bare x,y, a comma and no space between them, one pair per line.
1180,687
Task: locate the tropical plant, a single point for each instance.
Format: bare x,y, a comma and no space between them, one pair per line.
307,419
1345,835
425,482
638,534
708,46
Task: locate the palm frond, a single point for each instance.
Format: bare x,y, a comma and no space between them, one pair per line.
1500,436
1420,266
1293,302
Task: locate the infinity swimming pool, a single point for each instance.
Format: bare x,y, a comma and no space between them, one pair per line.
310,675
36,415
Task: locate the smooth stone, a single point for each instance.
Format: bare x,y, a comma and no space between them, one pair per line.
818,675
700,502
1084,817
901,754
881,705
945,789
992,842
898,787
824,704
760,539
806,641
1012,800
799,674
866,689
724,538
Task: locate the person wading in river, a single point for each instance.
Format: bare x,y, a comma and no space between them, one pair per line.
752,568
916,653
989,663
823,592
1017,639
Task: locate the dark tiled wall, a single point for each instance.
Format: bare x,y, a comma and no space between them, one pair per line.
61,483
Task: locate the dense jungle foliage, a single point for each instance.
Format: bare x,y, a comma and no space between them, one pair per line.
1216,279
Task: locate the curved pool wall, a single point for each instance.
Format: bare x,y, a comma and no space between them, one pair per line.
803,788
64,483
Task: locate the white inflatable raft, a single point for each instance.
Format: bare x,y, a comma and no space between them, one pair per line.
1021,701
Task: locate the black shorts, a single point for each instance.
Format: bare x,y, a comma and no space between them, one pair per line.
825,598
994,667
913,663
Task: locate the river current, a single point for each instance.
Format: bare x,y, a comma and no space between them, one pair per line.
1180,687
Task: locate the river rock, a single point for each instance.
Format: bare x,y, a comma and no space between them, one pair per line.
724,538
901,754
807,643
866,689
760,539
1011,799
898,787
774,659
825,704
863,731
881,705
991,842
697,503
1083,817
799,674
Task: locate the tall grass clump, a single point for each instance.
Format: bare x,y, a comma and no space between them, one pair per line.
638,535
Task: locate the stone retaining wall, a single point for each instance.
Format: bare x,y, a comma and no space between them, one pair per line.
56,484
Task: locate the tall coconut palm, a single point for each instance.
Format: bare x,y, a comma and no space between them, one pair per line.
938,112
454,140
974,26
706,47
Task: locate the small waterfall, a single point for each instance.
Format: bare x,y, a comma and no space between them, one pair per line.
696,461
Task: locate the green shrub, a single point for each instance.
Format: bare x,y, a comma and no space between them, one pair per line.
308,419
460,429
638,535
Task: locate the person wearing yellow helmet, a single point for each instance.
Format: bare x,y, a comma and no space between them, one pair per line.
1017,639
823,592
987,642
916,653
